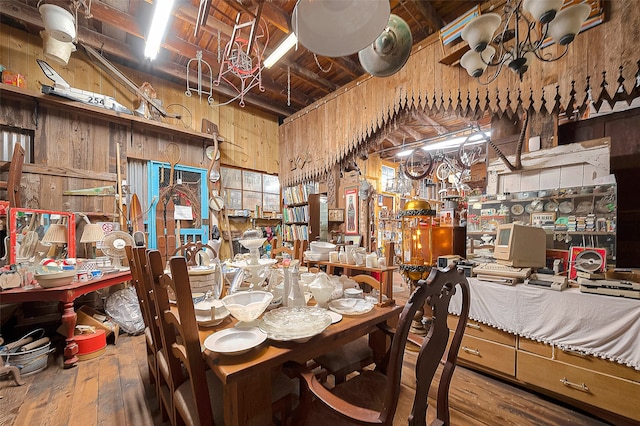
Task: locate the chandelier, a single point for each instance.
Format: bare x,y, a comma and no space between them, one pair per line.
526,27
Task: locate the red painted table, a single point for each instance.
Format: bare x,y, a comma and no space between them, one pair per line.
66,296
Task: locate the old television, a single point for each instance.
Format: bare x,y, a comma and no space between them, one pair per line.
520,246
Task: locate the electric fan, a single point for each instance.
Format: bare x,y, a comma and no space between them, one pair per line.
113,245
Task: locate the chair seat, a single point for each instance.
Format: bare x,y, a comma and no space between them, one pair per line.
362,390
186,404
351,357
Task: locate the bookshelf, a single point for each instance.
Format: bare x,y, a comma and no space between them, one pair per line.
296,213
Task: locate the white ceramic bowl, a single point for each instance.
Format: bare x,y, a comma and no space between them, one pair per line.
247,305
322,247
315,256
55,279
203,312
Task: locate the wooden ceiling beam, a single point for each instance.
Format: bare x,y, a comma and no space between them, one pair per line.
421,116
427,10
24,13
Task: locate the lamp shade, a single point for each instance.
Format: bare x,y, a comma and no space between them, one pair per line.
92,233
390,51
542,10
56,234
479,32
474,63
335,28
567,23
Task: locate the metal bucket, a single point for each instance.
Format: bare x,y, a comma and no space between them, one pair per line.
31,361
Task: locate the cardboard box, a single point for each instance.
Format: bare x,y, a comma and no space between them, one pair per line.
13,78
91,317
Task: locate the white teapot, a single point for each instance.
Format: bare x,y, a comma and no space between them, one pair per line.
321,288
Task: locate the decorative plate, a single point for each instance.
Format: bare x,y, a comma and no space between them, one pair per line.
214,176
517,209
350,306
584,207
565,207
551,207
528,208
209,152
537,206
235,341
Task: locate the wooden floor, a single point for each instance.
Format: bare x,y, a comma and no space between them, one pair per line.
113,390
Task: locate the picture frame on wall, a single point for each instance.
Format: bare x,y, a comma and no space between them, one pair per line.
336,215
231,178
351,203
271,203
251,181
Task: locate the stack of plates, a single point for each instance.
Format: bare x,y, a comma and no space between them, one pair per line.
351,306
296,324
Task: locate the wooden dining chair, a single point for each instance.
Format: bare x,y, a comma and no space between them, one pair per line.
191,250
142,283
282,249
302,247
372,396
196,392
355,355
14,175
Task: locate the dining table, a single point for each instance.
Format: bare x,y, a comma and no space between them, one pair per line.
66,295
246,378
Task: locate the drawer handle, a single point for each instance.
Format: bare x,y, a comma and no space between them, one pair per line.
575,353
581,386
471,351
474,326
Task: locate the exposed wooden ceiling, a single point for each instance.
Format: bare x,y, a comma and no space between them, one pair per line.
118,27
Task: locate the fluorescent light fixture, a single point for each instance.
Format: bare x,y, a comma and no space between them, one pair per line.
405,153
480,135
159,22
281,50
448,143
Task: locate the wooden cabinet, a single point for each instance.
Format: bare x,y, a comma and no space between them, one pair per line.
486,347
605,388
610,393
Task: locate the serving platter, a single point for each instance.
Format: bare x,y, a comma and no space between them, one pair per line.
351,306
235,341
296,324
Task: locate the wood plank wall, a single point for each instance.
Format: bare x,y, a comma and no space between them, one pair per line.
76,149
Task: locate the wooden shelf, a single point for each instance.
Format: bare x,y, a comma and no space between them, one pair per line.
110,115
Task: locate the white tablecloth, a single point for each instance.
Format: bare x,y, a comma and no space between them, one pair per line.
604,326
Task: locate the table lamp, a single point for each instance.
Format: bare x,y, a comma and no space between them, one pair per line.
56,234
417,248
91,234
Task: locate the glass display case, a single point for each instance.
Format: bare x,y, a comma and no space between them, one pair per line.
582,216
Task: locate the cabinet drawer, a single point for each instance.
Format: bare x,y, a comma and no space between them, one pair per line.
597,364
532,346
593,388
483,331
484,353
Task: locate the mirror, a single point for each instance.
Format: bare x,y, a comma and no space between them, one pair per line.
38,234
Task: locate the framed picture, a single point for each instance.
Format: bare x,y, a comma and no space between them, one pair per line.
251,181
251,199
270,184
351,203
353,239
233,199
271,202
231,178
336,215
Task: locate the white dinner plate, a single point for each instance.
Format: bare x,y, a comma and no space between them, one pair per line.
335,317
350,306
235,341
